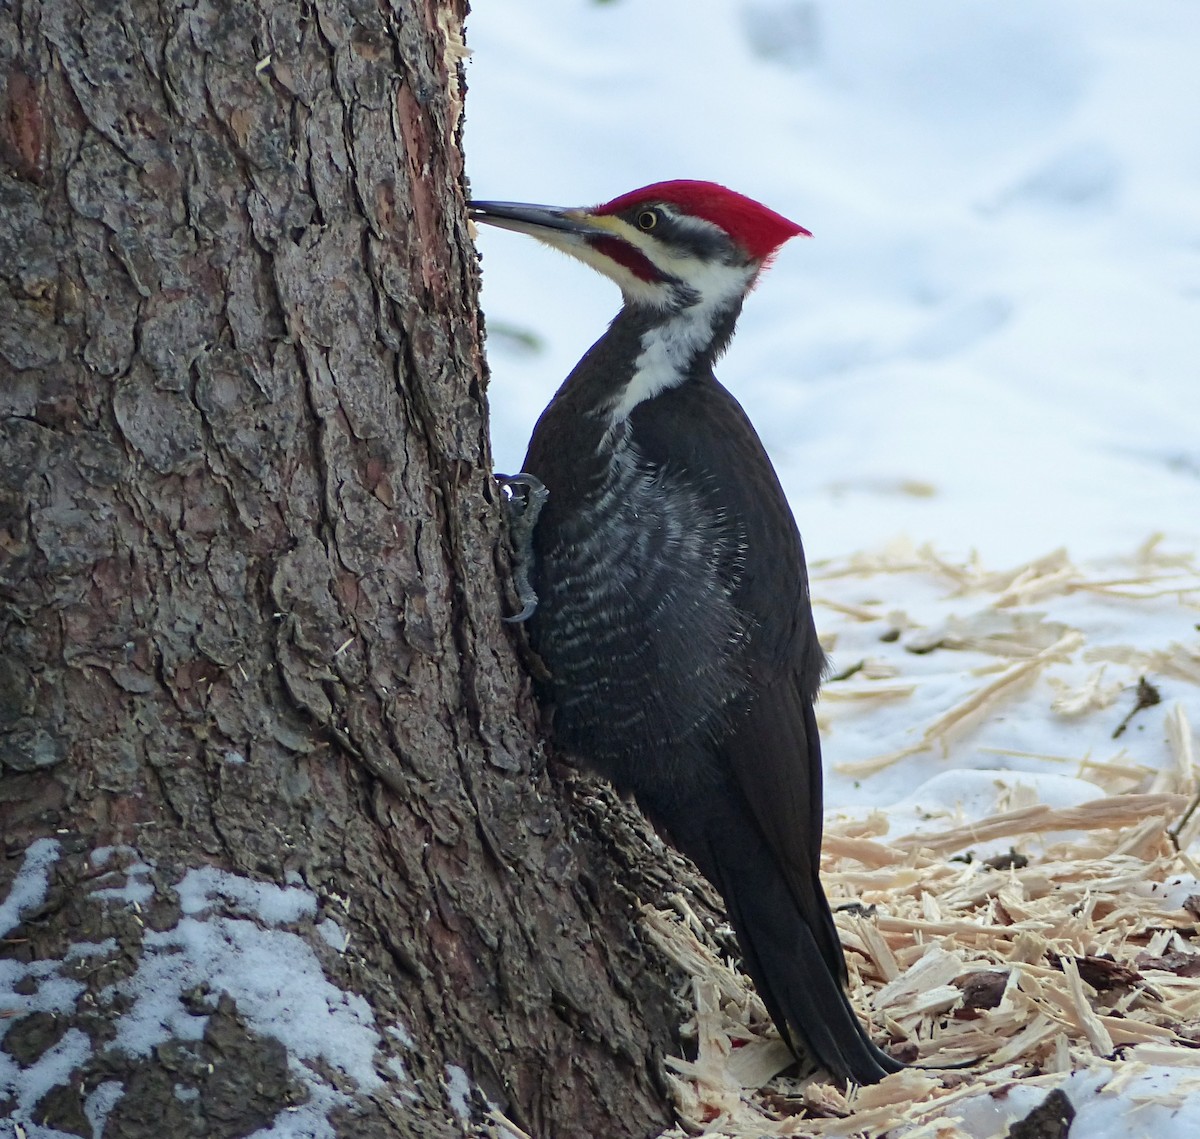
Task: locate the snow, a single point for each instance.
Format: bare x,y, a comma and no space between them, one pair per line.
272,974
99,1104
31,883
1085,633
52,1068
136,890
275,905
53,993
458,1091
401,1034
990,351
233,937
1097,1115
1002,299
333,935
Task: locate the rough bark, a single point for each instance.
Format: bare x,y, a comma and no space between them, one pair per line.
259,720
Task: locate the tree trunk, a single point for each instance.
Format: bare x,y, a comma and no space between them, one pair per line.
281,849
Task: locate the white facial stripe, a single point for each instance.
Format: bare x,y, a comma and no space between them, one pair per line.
632,287
668,348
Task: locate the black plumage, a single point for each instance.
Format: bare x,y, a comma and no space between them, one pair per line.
674,621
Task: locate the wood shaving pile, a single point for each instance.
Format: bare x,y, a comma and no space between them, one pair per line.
1080,952
1024,642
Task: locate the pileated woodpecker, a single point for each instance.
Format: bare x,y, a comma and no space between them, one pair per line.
672,609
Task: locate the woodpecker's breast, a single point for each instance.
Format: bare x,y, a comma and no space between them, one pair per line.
635,572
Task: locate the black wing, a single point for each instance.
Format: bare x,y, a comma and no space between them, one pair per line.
759,840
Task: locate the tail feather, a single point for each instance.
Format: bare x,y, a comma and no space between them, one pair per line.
784,939
804,998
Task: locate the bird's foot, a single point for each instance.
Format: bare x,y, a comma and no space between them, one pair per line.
524,497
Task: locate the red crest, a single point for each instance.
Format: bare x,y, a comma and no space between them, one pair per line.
758,230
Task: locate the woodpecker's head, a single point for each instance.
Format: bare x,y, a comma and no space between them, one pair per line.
670,246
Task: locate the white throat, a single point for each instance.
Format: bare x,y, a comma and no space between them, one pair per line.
670,346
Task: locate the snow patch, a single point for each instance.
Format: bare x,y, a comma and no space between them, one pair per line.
98,1106
54,993
202,888
458,1091
92,948
31,883
272,974
333,935
136,891
402,1034
219,945
26,1086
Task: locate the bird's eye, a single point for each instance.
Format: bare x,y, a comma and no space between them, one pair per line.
647,220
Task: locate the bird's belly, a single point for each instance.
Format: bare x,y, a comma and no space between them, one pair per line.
636,627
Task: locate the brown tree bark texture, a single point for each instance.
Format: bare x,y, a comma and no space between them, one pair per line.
248,564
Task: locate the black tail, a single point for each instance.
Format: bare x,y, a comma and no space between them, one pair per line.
788,942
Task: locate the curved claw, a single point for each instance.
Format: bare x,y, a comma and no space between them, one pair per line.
522,512
528,611
534,499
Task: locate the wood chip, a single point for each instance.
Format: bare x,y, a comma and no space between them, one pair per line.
981,701
1100,814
